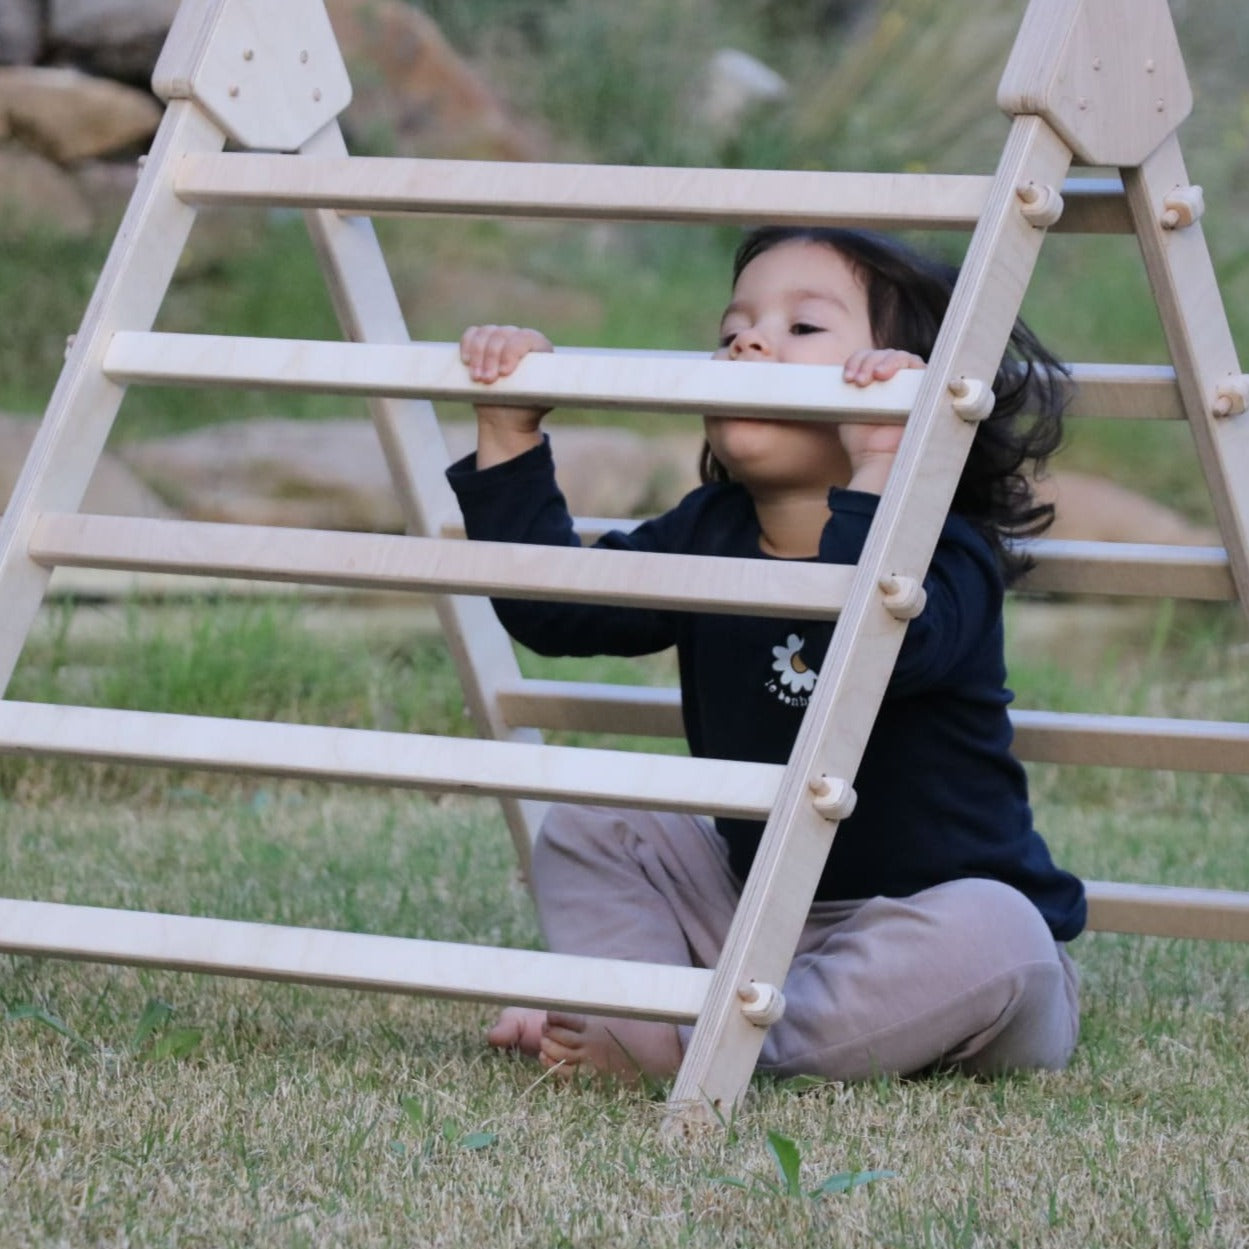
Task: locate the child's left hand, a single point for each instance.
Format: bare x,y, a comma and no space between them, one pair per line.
871,448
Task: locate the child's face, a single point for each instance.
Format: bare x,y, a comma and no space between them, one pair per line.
797,303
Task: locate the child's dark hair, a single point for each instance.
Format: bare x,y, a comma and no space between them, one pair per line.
907,297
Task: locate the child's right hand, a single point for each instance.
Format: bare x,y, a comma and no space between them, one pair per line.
490,352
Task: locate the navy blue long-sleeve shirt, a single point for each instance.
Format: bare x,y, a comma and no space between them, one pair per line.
940,795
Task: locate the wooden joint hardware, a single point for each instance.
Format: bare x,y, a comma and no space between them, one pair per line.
1182,208
904,597
973,399
1232,396
762,1004
270,84
1041,205
833,797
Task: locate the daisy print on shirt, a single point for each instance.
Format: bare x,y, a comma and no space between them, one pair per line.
794,679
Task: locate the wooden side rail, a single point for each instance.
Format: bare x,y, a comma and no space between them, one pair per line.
381,185
1040,736
351,960
660,381
440,565
406,760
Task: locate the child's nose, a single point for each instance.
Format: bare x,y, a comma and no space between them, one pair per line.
747,343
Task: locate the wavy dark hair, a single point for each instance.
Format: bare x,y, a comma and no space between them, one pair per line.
907,297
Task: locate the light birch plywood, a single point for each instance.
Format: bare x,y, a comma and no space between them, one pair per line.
84,404
1063,75
368,310
1107,75
662,381
1200,341
1081,739
407,760
381,186
351,960
270,77
1129,568
724,1046
392,562
434,371
1168,911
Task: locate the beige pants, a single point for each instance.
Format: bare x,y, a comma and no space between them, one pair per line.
965,974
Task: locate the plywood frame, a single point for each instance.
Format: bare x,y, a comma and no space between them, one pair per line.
294,156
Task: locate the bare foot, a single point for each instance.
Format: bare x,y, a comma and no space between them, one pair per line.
626,1048
518,1028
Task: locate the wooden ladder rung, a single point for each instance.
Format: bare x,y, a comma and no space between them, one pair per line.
380,185
440,565
1040,736
674,383
371,757
662,381
1151,742
1125,392
1129,568
1168,911
1066,566
351,960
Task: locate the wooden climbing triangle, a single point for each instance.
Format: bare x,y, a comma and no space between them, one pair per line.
1097,83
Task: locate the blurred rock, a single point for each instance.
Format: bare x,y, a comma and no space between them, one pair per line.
735,83
332,475
114,489
35,191
21,36
413,94
1093,509
113,38
69,116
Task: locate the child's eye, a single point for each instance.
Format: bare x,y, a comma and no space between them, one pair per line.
805,327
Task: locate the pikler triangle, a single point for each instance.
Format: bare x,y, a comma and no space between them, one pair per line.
1097,83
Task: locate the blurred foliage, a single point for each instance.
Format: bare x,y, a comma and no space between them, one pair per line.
883,85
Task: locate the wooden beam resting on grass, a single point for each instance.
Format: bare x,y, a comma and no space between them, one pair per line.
351,960
1168,911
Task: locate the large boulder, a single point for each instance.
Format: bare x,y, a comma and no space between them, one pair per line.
69,116
1090,508
113,38
21,32
413,94
332,475
37,192
114,489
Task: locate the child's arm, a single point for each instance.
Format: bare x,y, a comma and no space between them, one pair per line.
871,448
490,352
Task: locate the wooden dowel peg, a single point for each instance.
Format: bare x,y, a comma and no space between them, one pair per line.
1232,396
1042,206
904,597
1183,207
973,399
762,1004
833,797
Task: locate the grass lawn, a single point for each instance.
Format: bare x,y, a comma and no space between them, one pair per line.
147,1108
